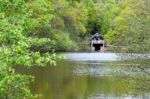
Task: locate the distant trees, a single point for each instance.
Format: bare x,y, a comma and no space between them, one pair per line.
130,28
137,37
75,20
30,27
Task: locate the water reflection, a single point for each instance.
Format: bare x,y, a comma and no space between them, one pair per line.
101,96
87,80
93,56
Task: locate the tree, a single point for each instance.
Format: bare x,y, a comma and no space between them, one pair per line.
68,24
19,20
137,34
130,28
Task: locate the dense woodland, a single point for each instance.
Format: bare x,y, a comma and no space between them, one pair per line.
32,30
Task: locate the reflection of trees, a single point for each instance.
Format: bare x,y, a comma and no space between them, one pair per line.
61,83
140,84
83,86
138,76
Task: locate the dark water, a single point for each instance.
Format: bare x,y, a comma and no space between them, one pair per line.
88,80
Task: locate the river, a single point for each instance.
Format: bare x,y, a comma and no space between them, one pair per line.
89,76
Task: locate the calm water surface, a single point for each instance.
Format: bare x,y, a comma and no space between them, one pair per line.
89,79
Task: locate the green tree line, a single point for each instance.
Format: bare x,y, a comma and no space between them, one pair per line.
75,21
32,30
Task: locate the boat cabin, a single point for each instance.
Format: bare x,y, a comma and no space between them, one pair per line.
97,42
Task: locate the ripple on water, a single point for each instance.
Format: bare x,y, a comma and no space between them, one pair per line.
102,96
97,56
102,69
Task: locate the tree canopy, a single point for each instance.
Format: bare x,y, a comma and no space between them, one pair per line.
32,30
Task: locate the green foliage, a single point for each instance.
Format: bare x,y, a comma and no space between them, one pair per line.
94,15
63,42
137,34
67,25
30,28
120,24
110,11
130,28
19,20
